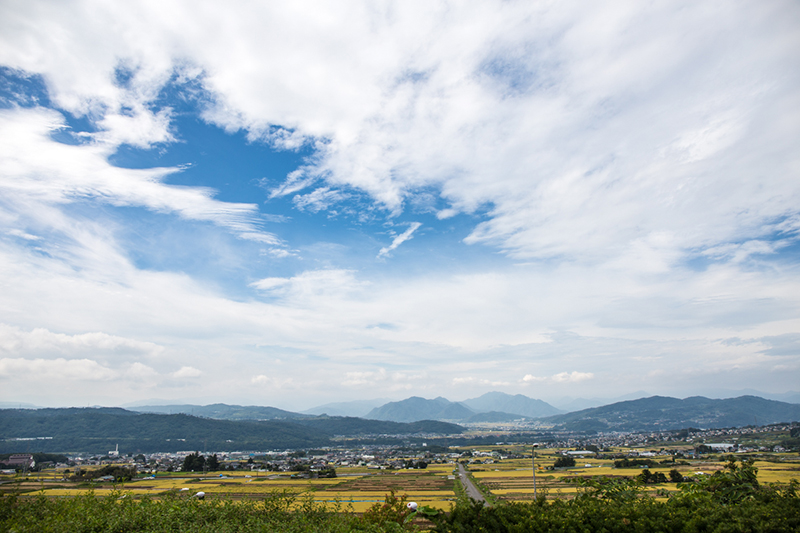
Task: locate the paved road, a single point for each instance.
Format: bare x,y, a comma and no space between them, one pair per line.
469,486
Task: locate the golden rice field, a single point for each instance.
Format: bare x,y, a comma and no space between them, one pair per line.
358,488
513,479
355,489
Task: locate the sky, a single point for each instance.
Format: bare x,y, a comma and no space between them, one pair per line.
296,203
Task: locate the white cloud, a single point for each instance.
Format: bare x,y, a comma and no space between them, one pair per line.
277,383
37,171
530,378
554,120
400,239
140,371
481,382
572,377
66,369
41,341
583,136
312,287
355,379
187,372
23,235
318,200
561,377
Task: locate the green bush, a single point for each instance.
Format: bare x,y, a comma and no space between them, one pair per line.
728,502
121,513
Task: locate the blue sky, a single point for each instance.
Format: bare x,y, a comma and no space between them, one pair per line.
294,205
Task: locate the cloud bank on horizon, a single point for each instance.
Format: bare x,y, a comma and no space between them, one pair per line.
295,204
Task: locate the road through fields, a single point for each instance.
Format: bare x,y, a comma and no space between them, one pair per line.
469,486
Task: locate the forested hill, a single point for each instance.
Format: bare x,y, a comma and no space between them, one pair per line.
341,425
664,413
416,408
99,430
223,411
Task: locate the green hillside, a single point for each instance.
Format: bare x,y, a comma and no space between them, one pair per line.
352,426
99,430
664,413
222,411
415,408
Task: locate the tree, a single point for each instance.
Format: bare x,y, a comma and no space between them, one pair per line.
212,463
564,462
651,477
675,476
327,472
194,462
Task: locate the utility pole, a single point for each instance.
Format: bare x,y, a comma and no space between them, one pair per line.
205,460
534,470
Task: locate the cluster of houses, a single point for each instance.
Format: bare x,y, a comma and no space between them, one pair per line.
697,442
301,463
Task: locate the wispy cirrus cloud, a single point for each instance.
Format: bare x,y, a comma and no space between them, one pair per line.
598,170
400,239
34,168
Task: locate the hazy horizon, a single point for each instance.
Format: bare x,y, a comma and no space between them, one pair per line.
560,403
280,204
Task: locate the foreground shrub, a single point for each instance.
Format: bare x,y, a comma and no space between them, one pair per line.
118,512
730,502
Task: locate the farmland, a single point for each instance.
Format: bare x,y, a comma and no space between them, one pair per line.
355,489
512,480
505,476
362,498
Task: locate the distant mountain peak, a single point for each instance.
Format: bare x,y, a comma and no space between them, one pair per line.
504,406
415,408
517,404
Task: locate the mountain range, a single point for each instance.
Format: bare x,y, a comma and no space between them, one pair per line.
355,408
664,413
221,411
505,403
231,427
491,407
97,430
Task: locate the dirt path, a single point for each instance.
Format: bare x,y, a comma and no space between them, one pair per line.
469,486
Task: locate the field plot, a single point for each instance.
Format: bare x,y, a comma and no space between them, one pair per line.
427,487
518,484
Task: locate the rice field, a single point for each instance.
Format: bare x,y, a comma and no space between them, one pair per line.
355,489
512,480
358,488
